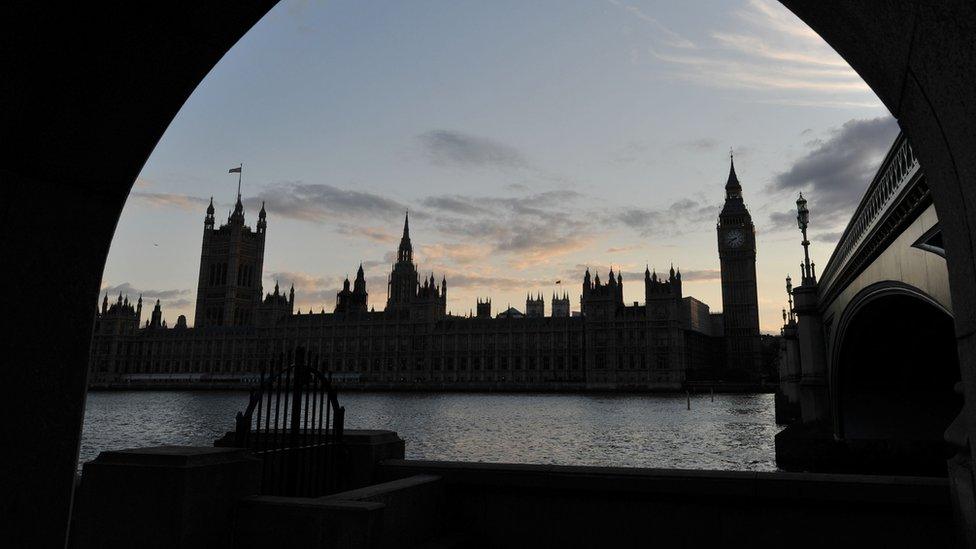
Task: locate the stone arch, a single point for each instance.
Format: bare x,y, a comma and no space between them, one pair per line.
892,375
86,103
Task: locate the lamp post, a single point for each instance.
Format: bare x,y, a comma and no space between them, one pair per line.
789,295
803,220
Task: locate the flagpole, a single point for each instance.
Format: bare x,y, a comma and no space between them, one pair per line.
240,175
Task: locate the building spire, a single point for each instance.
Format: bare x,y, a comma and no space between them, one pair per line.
732,186
405,252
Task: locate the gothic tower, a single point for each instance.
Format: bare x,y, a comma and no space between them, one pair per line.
355,300
231,266
560,305
407,295
534,306
484,308
740,303
403,284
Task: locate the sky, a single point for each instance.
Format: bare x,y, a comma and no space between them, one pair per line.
528,140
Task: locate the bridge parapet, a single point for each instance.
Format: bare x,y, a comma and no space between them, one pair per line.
897,187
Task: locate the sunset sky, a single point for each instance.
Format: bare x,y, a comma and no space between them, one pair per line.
527,139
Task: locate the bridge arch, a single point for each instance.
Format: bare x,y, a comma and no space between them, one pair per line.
893,369
78,132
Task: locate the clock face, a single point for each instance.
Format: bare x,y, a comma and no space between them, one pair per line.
735,238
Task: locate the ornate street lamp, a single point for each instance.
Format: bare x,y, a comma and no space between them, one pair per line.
802,221
789,294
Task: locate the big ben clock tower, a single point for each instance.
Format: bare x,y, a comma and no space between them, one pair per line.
740,302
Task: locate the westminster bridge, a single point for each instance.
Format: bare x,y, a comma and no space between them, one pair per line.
869,367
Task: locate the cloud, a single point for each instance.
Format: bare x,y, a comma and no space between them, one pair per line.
757,46
703,144
311,292
620,249
487,282
830,238
175,298
674,220
529,229
171,200
454,148
376,234
760,74
459,253
782,220
774,53
663,33
452,204
836,170
323,202
820,102
701,275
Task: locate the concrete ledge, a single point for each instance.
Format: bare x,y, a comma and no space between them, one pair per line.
171,456
502,505
400,513
167,496
806,486
383,490
413,508
270,521
312,504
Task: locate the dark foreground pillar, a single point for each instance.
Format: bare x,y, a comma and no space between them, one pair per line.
84,105
168,496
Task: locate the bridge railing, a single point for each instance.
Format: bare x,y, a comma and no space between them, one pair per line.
897,170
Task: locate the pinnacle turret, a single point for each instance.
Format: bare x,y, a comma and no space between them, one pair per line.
405,252
732,187
262,219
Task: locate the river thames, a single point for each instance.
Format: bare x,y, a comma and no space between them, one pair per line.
733,432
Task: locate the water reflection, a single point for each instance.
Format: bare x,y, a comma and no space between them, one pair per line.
735,432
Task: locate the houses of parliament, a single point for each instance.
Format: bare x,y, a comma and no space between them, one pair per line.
414,343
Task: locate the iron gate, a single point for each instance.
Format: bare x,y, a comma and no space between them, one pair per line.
298,427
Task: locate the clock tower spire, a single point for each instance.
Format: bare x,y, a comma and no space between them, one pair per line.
740,302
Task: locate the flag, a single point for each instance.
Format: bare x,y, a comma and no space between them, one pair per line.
235,170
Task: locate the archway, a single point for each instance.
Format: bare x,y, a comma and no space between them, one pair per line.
86,103
893,382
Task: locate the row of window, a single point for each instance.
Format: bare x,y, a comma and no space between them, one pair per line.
218,275
389,364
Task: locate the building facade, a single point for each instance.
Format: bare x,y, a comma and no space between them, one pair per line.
414,343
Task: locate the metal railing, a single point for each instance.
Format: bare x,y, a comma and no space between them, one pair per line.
298,426
891,179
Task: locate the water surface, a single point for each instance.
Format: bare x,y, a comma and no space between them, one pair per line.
735,432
